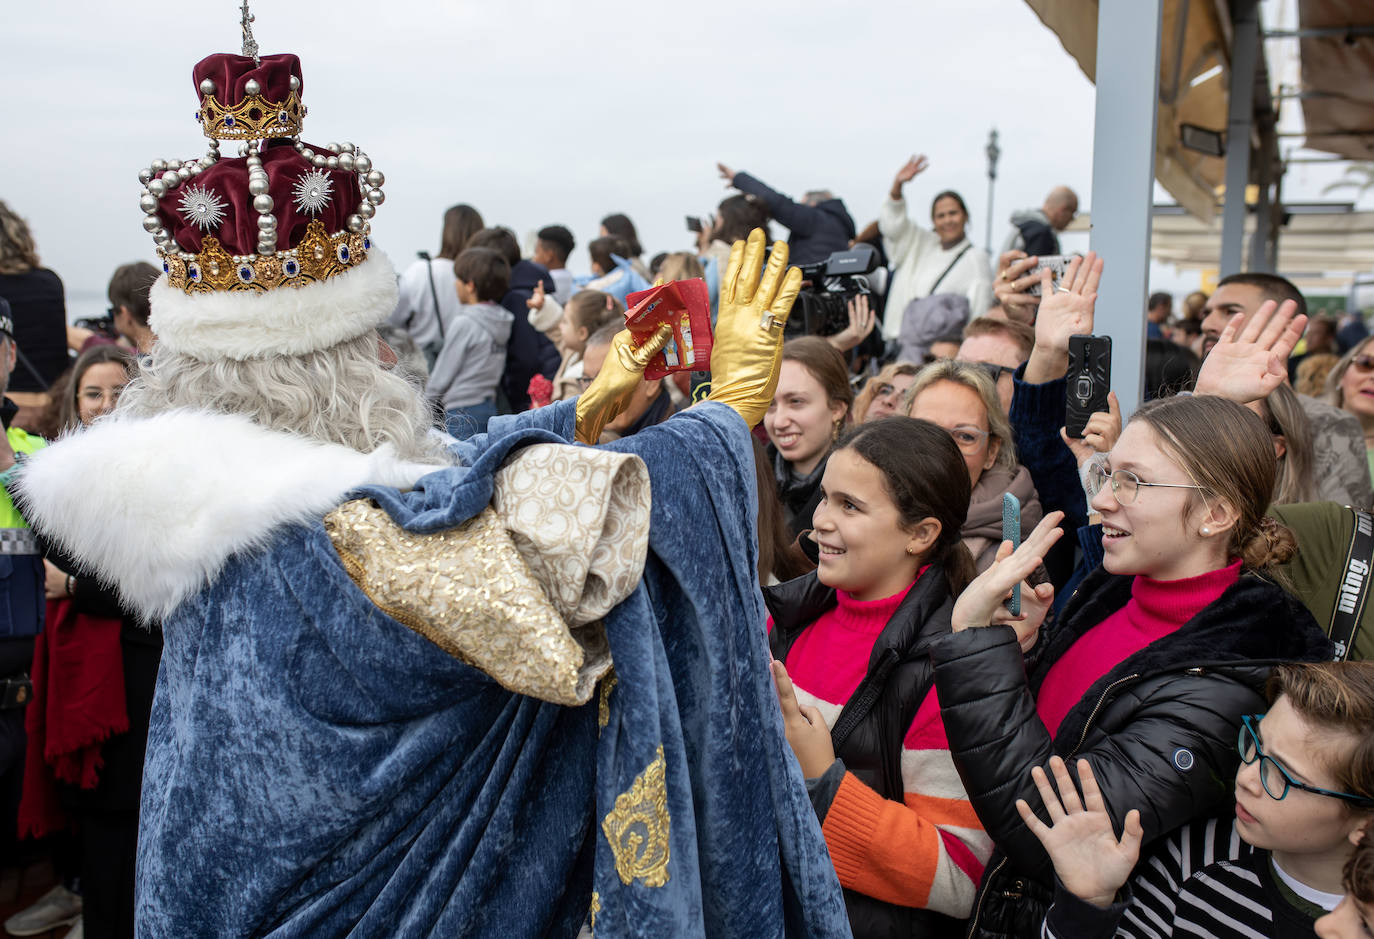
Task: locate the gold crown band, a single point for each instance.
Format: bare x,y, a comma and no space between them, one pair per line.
253,118
319,256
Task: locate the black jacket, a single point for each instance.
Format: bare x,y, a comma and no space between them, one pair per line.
898,679
529,351
817,231
1159,729
799,495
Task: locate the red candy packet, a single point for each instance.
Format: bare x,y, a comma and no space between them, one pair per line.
686,306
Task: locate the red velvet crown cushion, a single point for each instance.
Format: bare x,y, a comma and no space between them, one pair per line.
231,72
238,231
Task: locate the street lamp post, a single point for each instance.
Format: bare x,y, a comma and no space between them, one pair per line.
993,152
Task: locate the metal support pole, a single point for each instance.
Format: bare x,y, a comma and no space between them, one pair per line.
1244,56
1128,34
1259,241
993,151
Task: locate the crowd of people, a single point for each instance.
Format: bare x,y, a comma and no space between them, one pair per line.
1153,715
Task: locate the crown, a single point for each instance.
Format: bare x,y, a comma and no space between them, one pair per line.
279,219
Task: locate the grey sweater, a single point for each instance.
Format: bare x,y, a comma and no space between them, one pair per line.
470,364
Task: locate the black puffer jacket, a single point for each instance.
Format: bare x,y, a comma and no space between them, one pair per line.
1159,729
899,674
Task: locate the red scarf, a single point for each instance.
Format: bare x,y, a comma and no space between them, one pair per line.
78,702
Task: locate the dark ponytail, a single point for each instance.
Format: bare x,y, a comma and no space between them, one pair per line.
926,476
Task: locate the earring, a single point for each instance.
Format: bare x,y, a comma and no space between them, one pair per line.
1206,530
909,551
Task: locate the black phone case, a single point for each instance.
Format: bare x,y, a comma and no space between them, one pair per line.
1089,380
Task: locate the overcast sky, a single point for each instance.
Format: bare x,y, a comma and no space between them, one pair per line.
540,112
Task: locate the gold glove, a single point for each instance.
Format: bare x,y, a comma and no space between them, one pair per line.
611,390
748,340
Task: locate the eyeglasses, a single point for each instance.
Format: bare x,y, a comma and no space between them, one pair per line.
584,381
1363,363
1125,484
994,370
969,439
885,390
1273,777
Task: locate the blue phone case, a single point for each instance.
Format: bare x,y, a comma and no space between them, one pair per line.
1011,531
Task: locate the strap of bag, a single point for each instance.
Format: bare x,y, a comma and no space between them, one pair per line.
434,292
939,280
1353,593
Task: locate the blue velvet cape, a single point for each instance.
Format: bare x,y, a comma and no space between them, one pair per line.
317,769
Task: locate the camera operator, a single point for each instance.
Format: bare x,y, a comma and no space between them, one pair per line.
819,225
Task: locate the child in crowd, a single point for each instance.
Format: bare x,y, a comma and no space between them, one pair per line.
1304,796
587,312
1354,917
552,248
857,689
469,366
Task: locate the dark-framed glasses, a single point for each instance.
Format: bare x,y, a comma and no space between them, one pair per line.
994,370
1363,363
1273,777
1125,484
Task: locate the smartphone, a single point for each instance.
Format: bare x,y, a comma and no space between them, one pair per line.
1011,531
1056,263
1089,380
693,223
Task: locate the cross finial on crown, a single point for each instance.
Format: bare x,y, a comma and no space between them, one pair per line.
250,45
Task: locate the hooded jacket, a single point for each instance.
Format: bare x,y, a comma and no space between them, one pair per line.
1034,234
469,365
1159,729
529,351
817,231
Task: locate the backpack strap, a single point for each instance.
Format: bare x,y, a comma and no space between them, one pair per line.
957,258
1353,592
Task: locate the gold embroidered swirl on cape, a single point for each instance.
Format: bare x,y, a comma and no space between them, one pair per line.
519,590
638,827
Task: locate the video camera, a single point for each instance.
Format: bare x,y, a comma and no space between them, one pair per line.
828,286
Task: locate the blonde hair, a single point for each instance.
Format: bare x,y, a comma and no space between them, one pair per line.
1334,395
681,265
870,389
1225,448
17,252
341,395
974,377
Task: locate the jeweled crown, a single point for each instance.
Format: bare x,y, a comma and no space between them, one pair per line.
281,214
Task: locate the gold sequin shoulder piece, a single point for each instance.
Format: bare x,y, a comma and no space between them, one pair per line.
519,590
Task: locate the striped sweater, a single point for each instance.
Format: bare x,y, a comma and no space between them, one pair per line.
927,851
1202,880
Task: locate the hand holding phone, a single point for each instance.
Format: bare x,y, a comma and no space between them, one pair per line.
1088,381
1011,531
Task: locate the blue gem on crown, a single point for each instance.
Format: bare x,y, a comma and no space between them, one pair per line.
342,254
290,268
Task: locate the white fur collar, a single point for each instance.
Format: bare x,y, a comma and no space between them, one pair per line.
158,505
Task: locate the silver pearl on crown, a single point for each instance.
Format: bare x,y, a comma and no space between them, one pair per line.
307,153
151,223
356,223
157,187
376,196
251,87
347,147
191,169
375,178
362,163
332,162
145,176
345,161
159,166
319,159
295,83
257,186
147,202
332,147
267,223
263,202
171,179
267,248
207,87
367,210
